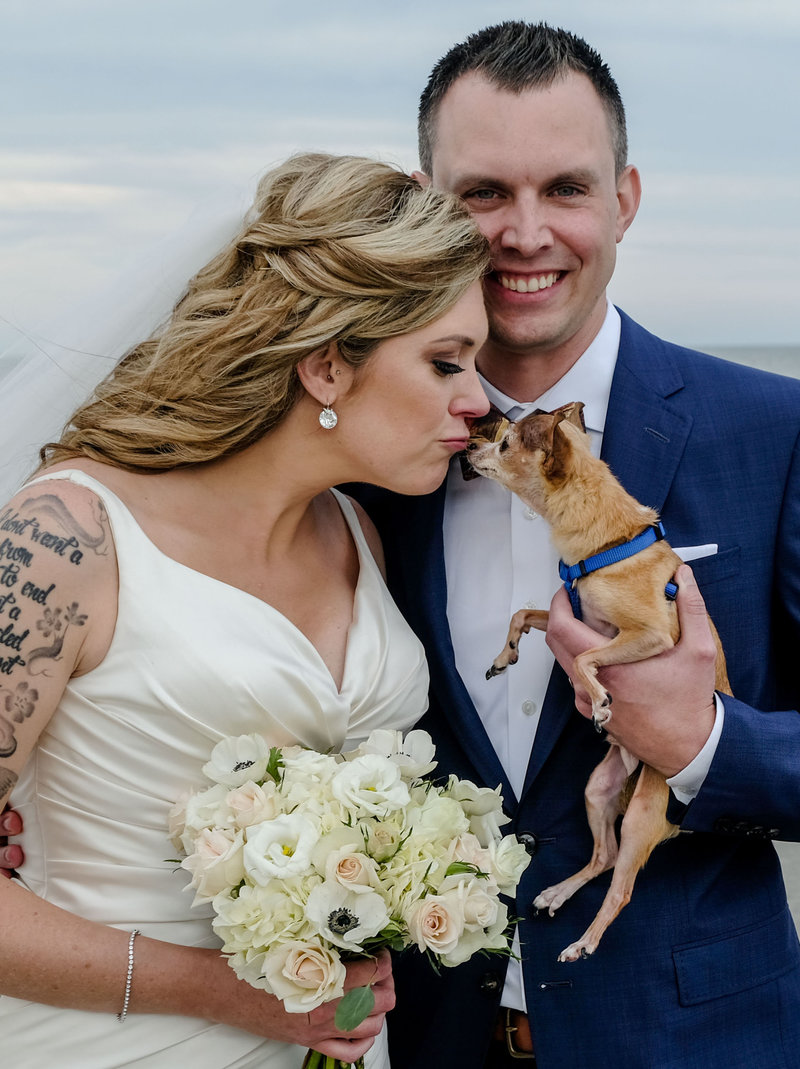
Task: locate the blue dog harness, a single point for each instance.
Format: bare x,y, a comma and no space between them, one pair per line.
570,574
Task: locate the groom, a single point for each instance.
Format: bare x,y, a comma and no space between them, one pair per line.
702,969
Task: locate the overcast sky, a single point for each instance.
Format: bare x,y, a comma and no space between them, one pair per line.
123,117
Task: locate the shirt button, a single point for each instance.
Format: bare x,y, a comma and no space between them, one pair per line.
529,707
530,514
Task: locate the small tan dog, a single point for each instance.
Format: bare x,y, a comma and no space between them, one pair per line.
546,460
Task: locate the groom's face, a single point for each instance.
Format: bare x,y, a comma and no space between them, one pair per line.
537,170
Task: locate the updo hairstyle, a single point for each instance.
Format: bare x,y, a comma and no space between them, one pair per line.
335,249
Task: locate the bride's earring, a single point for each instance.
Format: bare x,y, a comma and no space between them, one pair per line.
328,418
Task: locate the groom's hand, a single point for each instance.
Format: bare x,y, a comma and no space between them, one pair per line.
11,856
662,708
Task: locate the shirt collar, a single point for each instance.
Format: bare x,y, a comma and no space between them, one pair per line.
588,380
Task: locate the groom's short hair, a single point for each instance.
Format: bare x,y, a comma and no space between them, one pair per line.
516,56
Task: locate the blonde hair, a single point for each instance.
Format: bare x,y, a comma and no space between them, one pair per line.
336,249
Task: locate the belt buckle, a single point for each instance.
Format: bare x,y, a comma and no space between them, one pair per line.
510,1029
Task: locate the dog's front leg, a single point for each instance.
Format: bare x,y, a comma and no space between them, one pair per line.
626,647
602,808
644,826
521,623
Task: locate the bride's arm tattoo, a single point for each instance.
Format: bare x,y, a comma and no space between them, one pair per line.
31,608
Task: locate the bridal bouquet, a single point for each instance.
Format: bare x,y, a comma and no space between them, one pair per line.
311,859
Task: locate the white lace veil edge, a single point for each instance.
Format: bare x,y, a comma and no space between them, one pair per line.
46,375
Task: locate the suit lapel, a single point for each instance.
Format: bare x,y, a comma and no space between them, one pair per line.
425,581
643,441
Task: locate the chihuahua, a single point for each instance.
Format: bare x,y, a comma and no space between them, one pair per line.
618,569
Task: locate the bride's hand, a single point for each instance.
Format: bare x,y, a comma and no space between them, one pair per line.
11,855
256,1011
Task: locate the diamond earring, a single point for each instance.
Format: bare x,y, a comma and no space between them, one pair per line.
328,418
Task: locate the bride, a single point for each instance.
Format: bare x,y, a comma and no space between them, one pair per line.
179,569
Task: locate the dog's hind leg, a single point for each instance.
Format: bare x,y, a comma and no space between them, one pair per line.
644,826
521,623
602,808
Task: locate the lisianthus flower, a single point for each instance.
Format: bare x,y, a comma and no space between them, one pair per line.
413,754
234,761
279,848
483,806
345,917
370,785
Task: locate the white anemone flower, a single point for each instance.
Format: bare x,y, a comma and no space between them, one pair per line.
234,761
280,848
346,918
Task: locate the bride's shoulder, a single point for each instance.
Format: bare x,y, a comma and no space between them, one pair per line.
371,536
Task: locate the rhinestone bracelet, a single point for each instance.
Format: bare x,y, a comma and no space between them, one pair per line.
128,978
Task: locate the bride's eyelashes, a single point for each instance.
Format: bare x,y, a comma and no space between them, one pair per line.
444,367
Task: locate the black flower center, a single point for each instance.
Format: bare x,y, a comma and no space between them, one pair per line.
341,921
240,766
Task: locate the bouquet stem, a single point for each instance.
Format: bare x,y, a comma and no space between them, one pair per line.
315,1060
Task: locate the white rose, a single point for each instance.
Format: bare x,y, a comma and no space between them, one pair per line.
383,839
303,975
475,939
438,818
176,820
345,917
252,804
436,923
352,869
413,754
509,859
467,848
370,785
234,761
215,864
482,805
480,901
279,848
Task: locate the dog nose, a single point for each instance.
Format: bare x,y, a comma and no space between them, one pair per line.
471,445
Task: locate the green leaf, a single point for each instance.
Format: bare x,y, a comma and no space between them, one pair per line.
275,764
354,1008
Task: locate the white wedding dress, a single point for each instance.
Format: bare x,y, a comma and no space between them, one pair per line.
192,660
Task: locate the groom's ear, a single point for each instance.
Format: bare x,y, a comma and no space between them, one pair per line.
324,374
421,178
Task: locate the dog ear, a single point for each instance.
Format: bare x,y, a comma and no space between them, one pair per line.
573,412
536,432
557,462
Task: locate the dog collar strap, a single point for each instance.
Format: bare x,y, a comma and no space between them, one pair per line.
570,574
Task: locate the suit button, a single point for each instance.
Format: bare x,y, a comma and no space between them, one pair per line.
528,840
490,984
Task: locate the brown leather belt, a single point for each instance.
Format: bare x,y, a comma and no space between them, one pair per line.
513,1030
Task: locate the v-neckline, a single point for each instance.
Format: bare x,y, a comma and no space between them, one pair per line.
354,531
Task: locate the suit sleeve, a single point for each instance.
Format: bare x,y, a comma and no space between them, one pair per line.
753,785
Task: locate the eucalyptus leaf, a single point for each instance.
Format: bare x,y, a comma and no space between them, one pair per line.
354,1008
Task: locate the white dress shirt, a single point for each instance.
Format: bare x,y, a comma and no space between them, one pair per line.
498,559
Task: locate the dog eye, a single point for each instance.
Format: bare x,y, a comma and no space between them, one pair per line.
503,446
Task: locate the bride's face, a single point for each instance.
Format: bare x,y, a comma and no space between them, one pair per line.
405,417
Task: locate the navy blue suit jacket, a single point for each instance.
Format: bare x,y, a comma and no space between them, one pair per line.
702,969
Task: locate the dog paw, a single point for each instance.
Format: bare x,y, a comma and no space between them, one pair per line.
600,718
576,952
495,670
